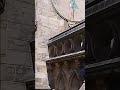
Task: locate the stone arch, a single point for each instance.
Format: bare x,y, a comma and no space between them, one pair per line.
74,81
104,41
79,43
52,51
59,50
61,81
68,46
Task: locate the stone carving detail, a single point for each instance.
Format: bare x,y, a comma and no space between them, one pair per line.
57,65
74,81
61,81
77,63
67,46
52,51
41,68
42,56
67,59
66,64
59,48
10,72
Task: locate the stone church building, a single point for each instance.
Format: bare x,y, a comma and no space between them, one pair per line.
42,44
59,44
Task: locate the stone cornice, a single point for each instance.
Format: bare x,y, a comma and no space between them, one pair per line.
68,32
102,63
100,6
67,56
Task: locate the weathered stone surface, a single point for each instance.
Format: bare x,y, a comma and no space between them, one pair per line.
20,12
16,33
16,73
3,37
7,72
17,57
5,85
2,41
48,25
24,73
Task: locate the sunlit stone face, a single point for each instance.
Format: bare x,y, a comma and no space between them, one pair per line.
72,10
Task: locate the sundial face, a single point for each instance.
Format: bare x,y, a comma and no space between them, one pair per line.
71,10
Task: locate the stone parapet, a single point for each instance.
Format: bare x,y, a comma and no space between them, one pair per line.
65,66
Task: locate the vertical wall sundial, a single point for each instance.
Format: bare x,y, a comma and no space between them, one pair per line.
70,10
74,6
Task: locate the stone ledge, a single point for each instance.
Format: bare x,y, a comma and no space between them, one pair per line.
100,6
106,62
67,56
68,32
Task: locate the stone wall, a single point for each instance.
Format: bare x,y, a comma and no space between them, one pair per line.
16,33
49,24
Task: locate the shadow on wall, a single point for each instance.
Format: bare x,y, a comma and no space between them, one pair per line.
17,28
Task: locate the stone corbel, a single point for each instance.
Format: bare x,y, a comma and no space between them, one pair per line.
66,64
77,63
57,65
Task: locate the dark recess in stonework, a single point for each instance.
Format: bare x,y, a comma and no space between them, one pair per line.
31,84
2,5
103,46
32,45
103,34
